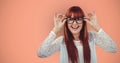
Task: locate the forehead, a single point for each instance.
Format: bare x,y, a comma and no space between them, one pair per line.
75,15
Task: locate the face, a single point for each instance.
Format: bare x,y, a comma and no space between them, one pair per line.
75,25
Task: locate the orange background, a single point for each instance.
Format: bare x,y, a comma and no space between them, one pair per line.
24,24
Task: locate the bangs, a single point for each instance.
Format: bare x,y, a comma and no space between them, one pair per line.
74,15
75,12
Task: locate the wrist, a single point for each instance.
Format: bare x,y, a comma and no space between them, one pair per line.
97,29
55,30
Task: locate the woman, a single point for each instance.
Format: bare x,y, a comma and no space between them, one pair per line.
77,45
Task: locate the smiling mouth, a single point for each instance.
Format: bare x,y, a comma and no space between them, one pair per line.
75,27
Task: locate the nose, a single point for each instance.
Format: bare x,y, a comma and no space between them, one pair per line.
74,22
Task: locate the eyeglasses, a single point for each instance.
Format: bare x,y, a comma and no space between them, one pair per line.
78,20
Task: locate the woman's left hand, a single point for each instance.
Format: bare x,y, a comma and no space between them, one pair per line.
92,21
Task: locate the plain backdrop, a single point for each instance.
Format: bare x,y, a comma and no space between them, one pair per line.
24,24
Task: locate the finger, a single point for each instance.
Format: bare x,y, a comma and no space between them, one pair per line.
55,14
87,20
94,12
55,18
94,15
64,21
63,17
90,14
60,15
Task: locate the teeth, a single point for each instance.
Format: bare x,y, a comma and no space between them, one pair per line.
75,27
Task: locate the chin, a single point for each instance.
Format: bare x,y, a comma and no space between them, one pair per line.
75,32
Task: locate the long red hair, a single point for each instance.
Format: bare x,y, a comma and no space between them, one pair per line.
71,48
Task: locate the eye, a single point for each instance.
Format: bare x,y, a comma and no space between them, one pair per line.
80,18
68,19
77,19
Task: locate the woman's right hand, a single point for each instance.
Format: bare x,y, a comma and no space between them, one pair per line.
59,21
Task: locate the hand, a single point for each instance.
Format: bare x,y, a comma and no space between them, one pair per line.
92,21
59,21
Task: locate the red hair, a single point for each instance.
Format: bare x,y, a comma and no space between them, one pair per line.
71,49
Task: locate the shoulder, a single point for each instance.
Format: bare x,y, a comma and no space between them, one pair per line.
91,35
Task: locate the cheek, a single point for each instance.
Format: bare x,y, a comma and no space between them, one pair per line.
69,26
80,27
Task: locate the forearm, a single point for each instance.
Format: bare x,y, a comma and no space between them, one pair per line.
46,45
50,45
105,41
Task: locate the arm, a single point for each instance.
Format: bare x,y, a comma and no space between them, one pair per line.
100,37
50,45
104,41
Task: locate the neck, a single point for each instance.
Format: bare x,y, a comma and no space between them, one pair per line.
76,36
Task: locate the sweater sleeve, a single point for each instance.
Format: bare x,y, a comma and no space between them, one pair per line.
50,45
104,41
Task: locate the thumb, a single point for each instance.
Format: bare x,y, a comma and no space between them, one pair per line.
64,20
87,20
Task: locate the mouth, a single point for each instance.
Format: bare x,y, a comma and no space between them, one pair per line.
75,27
